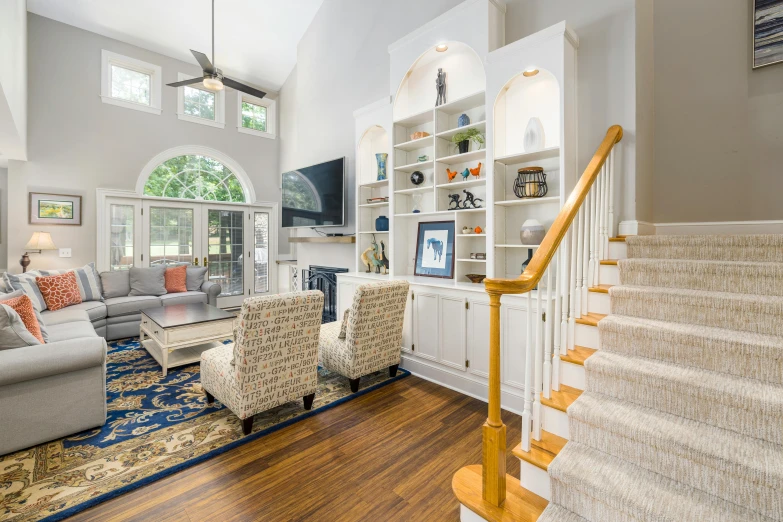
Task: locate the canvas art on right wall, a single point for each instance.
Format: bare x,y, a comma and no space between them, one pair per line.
767,32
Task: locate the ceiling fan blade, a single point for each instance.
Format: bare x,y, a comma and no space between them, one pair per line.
228,82
203,61
185,82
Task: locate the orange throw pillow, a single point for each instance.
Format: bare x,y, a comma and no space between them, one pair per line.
24,307
59,291
176,279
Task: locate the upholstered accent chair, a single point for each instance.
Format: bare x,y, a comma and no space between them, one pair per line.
273,359
373,335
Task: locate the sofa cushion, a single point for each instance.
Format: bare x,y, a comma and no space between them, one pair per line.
183,298
95,311
60,290
26,283
195,277
115,284
68,331
117,306
13,332
175,278
23,306
148,281
38,315
87,279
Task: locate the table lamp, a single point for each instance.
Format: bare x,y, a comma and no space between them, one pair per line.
38,243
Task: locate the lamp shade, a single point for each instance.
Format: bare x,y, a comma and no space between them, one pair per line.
40,241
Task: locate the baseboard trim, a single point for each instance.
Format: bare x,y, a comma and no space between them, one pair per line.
643,228
635,228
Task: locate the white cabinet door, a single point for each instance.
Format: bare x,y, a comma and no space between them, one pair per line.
452,331
425,325
514,329
407,326
478,338
345,293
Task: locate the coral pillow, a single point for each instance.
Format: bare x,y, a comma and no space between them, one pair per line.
23,306
177,279
60,290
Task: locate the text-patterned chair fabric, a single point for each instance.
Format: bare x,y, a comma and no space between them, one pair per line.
374,336
274,354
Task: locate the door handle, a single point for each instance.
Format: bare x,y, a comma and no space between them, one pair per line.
206,261
195,261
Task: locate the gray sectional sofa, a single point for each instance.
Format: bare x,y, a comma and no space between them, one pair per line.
59,388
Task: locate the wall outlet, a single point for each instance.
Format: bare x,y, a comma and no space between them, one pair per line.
65,252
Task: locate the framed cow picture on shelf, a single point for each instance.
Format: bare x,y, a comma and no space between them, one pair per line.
435,249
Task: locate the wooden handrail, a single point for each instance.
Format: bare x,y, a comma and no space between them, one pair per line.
543,256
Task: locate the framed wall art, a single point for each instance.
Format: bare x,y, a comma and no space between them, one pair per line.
54,209
767,32
435,249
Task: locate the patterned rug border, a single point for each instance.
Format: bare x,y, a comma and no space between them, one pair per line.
401,374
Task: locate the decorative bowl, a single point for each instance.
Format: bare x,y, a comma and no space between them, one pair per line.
419,135
476,278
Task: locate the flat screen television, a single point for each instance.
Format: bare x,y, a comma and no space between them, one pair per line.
315,196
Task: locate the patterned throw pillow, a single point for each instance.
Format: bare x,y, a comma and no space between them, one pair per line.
86,277
23,306
59,291
176,279
41,324
344,326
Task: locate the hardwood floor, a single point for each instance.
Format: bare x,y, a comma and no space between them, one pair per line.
388,455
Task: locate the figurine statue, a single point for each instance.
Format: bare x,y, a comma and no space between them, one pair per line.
384,259
455,202
366,256
477,171
472,200
451,174
440,85
465,174
376,257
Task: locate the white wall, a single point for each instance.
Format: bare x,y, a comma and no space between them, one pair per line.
4,218
343,64
13,79
78,144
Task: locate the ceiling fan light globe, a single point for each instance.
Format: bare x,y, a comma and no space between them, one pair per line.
213,84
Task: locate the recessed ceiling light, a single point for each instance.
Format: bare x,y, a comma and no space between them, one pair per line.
530,72
442,48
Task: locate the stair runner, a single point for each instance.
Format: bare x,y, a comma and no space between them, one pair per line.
681,418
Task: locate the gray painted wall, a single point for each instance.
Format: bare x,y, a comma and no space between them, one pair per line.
343,64
77,144
13,78
719,144
4,218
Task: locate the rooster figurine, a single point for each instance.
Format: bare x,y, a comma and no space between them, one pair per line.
451,174
477,171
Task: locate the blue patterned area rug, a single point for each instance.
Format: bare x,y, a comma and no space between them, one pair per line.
156,426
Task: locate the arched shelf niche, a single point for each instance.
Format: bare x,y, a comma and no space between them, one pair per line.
521,99
417,92
375,140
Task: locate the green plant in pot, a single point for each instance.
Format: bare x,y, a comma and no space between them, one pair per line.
462,139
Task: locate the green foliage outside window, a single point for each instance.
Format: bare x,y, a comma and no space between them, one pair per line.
194,177
253,116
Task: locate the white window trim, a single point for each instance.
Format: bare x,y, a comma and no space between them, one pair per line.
220,105
108,59
271,115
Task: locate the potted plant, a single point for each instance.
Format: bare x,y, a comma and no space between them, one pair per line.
463,139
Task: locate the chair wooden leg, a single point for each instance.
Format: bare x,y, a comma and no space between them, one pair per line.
354,384
308,401
393,370
210,397
247,425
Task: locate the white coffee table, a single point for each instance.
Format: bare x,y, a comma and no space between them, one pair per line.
176,335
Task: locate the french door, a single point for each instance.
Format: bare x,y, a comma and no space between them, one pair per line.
233,242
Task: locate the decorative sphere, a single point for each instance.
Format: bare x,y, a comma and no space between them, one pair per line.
417,178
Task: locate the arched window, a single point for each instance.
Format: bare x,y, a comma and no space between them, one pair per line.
194,176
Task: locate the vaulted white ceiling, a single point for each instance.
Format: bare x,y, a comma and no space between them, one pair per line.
255,40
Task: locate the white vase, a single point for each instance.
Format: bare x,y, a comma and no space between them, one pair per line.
534,136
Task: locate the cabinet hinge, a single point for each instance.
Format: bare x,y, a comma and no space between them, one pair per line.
467,305
413,347
412,296
142,211
543,317
142,257
467,364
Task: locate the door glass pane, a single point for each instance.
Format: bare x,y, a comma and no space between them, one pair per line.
171,236
225,229
121,241
261,262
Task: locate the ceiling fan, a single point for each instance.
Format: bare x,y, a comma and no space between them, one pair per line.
213,78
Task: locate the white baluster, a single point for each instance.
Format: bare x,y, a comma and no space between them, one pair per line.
582,256
573,281
602,219
565,264
539,360
610,231
588,260
561,315
528,393
548,330
594,238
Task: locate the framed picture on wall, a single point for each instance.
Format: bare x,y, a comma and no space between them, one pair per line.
767,32
55,209
435,250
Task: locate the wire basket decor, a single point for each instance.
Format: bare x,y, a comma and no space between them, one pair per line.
530,183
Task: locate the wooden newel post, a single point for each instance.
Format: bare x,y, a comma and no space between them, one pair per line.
494,431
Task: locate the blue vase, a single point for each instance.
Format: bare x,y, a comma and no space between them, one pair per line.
382,224
381,158
463,120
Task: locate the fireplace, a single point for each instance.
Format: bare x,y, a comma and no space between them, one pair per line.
324,278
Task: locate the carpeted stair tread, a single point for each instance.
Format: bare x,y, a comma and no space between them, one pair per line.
555,513
745,354
600,487
751,313
736,468
746,406
742,277
764,247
